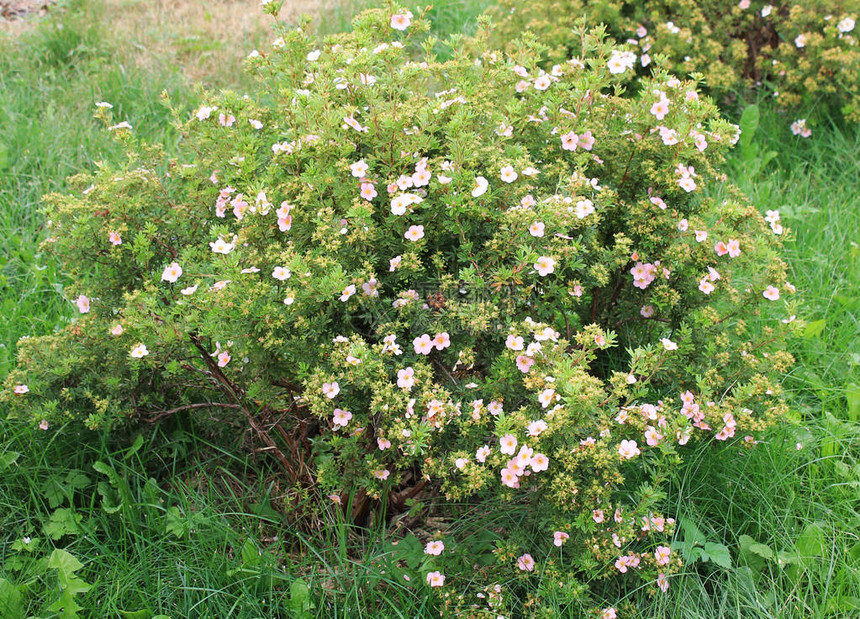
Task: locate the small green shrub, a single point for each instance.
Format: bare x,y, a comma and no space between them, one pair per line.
805,54
514,285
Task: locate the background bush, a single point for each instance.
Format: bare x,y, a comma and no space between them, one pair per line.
805,55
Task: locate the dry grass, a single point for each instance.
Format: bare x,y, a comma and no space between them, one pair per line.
204,41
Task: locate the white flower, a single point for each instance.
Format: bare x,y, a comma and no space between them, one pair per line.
204,112
281,273
480,188
846,25
620,61
139,351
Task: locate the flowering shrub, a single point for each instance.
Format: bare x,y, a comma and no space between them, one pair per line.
805,54
516,284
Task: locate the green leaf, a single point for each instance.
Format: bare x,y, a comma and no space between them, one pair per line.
63,522
176,523
719,554
300,594
70,584
811,541
111,501
11,601
8,459
54,490
110,491
250,554
748,124
815,328
135,447
852,394
762,550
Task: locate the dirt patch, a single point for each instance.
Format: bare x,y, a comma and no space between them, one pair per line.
17,15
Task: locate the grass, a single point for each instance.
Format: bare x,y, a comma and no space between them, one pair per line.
183,526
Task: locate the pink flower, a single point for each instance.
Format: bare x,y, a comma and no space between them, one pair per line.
330,390
394,263
734,248
171,273
341,418
406,378
586,140
43,425
628,449
368,191
21,389
441,341
83,303
569,141
434,548
771,293
401,21
514,342
359,168
482,453
381,474
508,444
414,233
536,229
663,555
435,579
687,184
560,537
597,515
115,238
544,266
539,462
652,437
524,363
662,583
658,202
510,478
223,359
536,428
706,286
660,109
608,613
423,345
383,444
526,563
